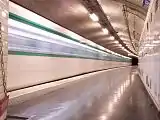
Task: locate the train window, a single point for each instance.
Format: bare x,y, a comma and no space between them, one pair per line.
156,6
32,43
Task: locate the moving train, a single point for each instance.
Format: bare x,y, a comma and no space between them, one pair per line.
42,52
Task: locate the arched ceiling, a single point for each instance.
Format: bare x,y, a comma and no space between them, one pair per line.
124,19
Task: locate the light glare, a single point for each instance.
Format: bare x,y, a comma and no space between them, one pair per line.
4,14
112,38
116,42
2,28
105,30
94,17
155,42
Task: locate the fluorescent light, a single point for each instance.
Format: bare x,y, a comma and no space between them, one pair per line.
122,33
120,45
127,51
105,30
148,45
116,42
123,38
94,17
129,54
108,17
111,38
2,28
156,41
4,14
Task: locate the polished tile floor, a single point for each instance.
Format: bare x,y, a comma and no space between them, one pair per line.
113,95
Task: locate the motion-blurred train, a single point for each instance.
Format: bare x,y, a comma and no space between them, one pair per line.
42,52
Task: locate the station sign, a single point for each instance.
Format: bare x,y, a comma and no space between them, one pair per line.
146,2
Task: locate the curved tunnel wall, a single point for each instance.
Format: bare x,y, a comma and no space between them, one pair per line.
149,56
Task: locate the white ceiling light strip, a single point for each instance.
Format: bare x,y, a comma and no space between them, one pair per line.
105,31
94,17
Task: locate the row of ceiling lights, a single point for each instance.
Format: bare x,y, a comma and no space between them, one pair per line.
95,18
125,38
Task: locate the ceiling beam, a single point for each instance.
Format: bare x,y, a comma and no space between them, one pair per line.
141,17
127,24
93,6
133,6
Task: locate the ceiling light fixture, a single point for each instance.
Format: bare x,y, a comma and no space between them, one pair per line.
94,17
130,54
116,42
4,14
156,42
2,28
108,17
148,45
105,30
111,38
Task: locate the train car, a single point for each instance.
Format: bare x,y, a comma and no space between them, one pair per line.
149,58
42,52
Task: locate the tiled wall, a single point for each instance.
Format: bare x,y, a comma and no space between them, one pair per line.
149,52
3,53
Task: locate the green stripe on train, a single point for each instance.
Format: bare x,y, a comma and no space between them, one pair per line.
50,55
57,55
34,24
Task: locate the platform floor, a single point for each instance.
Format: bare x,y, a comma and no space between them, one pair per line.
113,95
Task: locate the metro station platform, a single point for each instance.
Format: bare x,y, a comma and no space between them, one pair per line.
116,94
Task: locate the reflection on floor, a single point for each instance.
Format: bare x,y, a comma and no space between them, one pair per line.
113,95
